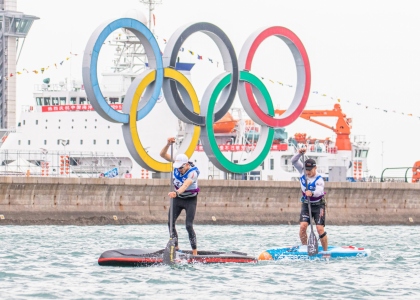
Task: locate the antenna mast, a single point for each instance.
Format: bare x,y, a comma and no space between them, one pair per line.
151,6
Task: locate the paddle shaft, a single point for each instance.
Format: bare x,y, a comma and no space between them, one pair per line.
171,209
307,198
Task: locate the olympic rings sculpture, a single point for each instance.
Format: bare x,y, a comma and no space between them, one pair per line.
182,98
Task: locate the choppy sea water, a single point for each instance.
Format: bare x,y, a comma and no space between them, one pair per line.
60,262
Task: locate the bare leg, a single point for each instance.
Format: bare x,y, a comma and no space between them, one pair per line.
302,233
324,240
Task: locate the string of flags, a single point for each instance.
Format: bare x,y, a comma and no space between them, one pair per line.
200,57
197,56
41,70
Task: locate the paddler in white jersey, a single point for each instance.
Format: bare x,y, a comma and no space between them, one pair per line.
315,193
185,195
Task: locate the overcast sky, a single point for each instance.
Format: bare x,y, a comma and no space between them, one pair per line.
366,53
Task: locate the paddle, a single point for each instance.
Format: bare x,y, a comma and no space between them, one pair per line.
312,241
169,253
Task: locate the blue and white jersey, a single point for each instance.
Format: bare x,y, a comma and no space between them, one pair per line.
315,183
179,180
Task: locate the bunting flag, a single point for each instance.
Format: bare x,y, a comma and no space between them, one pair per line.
192,53
199,57
210,60
35,71
164,40
42,70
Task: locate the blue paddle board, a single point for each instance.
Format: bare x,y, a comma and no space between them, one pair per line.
301,252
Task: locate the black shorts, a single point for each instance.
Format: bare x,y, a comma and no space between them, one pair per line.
318,213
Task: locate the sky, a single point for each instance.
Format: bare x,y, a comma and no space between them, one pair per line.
365,53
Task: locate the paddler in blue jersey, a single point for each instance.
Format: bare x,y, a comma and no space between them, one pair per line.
316,196
185,194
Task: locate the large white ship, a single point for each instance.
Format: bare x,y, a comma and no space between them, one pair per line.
61,135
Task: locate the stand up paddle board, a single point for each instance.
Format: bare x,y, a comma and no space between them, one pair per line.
150,257
301,252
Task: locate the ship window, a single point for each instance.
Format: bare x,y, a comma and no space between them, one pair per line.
262,165
47,101
81,142
36,122
54,100
94,142
45,142
96,120
68,142
107,142
122,99
38,101
19,142
63,100
24,122
113,100
118,142
271,163
29,142
82,100
73,100
58,142
59,120
364,153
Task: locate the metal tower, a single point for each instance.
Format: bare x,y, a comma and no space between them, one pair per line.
152,4
13,26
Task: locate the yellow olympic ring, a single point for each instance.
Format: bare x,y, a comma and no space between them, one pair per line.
148,79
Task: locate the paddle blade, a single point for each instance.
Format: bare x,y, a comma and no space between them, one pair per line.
312,244
169,253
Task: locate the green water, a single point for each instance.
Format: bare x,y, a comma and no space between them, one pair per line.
60,262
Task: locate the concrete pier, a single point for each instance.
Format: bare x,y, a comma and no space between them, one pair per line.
100,201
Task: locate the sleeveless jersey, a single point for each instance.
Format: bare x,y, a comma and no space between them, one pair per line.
179,180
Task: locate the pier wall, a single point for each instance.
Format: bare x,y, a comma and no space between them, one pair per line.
100,201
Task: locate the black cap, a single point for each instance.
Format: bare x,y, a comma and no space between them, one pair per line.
310,164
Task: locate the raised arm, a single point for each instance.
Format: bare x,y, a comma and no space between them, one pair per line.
296,161
164,152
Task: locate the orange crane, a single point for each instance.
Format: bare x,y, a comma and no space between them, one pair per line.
416,172
341,129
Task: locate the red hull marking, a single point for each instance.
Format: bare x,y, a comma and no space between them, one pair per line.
210,260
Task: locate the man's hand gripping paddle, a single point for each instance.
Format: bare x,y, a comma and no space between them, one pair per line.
169,253
312,241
